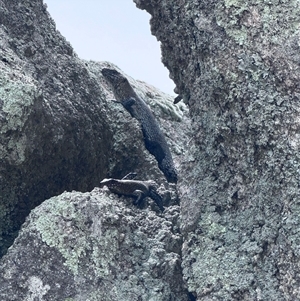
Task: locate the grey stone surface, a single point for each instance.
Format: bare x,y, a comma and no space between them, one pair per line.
94,246
236,65
236,234
59,129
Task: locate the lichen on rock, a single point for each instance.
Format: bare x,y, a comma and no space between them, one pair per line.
236,65
97,247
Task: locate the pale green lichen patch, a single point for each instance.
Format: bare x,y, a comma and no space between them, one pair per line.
17,98
244,19
236,3
210,225
169,109
104,252
239,35
163,101
55,231
64,228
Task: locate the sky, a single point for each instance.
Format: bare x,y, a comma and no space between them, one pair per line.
115,31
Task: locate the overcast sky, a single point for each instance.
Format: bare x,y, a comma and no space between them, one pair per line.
115,31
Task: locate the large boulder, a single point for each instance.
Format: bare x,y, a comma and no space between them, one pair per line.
59,128
95,246
236,65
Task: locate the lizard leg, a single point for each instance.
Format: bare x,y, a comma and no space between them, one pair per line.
140,197
130,176
154,195
127,103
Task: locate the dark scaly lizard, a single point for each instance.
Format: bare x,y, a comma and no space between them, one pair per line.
134,188
154,138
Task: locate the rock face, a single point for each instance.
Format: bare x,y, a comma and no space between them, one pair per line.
93,246
236,233
51,116
236,65
58,130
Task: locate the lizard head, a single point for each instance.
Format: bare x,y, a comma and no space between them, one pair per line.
105,182
112,75
119,82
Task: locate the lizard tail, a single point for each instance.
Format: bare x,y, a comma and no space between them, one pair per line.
157,198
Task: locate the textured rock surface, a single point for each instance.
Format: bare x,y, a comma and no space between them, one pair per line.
58,131
94,246
51,115
236,64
